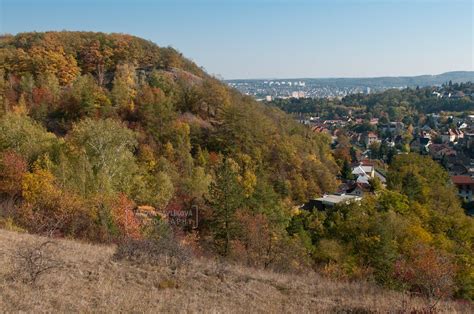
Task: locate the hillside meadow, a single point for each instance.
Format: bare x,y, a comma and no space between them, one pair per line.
87,277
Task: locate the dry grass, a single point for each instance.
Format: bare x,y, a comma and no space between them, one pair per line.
90,280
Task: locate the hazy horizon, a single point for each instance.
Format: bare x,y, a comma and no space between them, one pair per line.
263,39
342,77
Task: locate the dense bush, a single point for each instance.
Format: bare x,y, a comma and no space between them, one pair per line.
162,252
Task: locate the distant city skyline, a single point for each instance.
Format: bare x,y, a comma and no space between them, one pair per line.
243,39
340,87
340,77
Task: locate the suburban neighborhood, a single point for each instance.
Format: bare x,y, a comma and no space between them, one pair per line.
372,142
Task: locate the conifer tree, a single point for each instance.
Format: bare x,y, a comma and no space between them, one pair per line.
226,196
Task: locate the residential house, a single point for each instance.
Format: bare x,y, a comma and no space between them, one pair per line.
363,173
465,186
381,177
337,123
459,134
462,125
425,134
389,142
439,151
355,137
329,201
448,137
320,129
458,95
370,138
396,128
447,95
420,145
354,188
469,140
457,168
374,121
452,135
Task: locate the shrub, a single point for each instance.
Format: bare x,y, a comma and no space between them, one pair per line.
164,251
32,261
124,217
12,168
49,210
428,272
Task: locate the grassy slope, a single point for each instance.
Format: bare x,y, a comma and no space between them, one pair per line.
90,280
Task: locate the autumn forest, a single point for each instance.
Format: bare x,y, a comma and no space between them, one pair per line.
105,138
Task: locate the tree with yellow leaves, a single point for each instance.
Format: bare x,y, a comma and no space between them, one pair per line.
96,59
125,87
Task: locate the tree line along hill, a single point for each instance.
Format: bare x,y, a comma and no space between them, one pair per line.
96,129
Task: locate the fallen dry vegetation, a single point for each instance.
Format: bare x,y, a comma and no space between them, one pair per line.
80,277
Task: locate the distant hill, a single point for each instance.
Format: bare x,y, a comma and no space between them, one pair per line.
383,81
455,77
402,81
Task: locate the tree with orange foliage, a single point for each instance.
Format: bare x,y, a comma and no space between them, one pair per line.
256,239
428,272
12,169
56,62
49,210
124,217
342,154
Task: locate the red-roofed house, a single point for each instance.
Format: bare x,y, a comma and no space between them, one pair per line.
370,138
320,129
465,186
374,121
452,135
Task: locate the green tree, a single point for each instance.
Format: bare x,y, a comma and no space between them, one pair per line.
108,148
163,81
157,114
155,189
346,171
26,137
225,197
375,184
87,97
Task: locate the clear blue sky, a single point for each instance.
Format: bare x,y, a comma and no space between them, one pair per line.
280,38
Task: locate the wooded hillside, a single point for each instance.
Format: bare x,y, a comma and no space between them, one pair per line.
110,138
94,125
